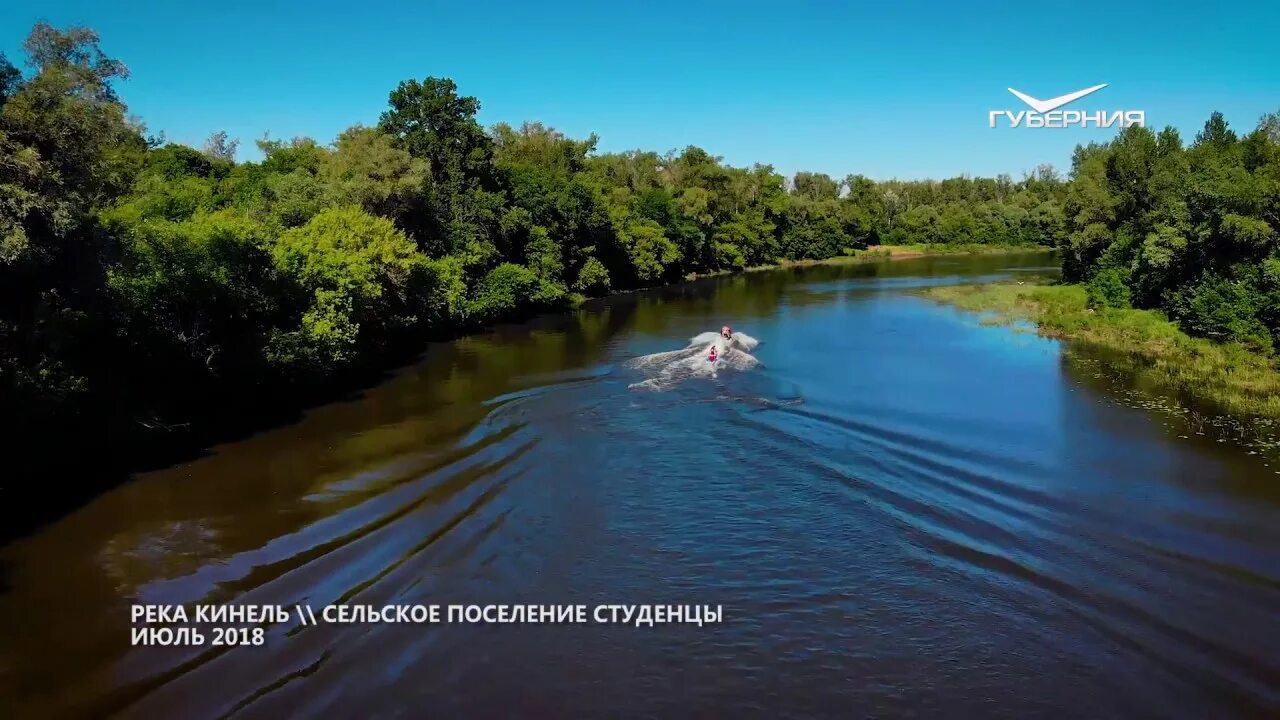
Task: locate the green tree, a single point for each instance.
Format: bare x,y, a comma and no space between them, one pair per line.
504,292
363,282
197,300
367,169
66,147
816,186
148,283
1216,133
593,278
433,123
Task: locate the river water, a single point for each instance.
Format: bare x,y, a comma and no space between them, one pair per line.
902,512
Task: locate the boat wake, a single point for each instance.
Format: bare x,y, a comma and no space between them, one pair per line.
668,369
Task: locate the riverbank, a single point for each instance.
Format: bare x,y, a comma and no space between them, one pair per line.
517,464
239,415
881,253
1229,377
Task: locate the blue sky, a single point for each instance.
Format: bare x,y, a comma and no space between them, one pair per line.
887,89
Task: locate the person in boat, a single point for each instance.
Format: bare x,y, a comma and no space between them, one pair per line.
726,332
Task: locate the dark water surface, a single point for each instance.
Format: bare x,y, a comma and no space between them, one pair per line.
903,513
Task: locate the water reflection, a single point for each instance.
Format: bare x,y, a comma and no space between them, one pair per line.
904,512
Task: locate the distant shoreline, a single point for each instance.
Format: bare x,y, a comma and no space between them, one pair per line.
885,253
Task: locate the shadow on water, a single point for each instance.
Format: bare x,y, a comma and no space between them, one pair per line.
952,514
104,470
1211,429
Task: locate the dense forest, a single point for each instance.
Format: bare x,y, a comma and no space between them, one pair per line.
153,291
1188,230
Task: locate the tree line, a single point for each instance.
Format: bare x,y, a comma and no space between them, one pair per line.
152,289
1187,229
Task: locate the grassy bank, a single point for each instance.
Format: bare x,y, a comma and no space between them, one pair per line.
926,249
879,253
1228,376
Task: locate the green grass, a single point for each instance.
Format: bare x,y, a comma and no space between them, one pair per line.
888,252
877,253
1229,376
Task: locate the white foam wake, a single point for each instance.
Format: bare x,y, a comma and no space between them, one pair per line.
674,366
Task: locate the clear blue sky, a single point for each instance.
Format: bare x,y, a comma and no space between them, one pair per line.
887,89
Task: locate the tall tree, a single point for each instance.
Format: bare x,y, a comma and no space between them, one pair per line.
220,147
816,186
1216,132
67,147
434,123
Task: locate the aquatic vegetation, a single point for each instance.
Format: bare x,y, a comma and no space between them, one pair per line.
1230,377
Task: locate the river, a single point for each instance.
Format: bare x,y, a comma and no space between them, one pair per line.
902,512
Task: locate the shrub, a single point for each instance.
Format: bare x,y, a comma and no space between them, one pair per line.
204,290
294,198
1269,300
1248,234
1222,310
593,278
364,282
1157,265
650,251
1083,249
447,302
729,255
504,289
1108,289
157,199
